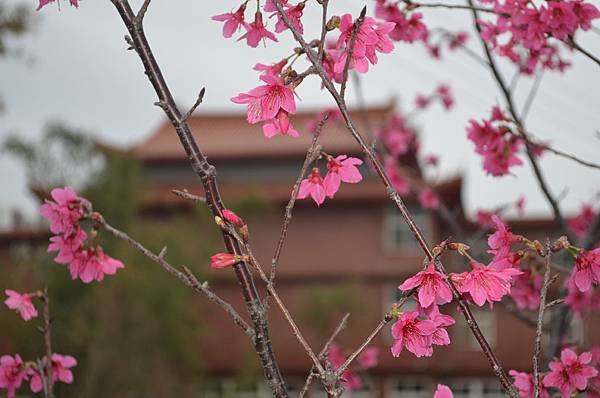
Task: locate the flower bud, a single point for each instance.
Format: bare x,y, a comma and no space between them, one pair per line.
233,218
333,23
224,260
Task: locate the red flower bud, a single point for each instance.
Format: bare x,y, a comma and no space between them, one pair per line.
233,218
224,260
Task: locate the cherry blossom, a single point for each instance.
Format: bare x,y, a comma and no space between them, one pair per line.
368,358
581,302
233,21
571,373
280,125
273,69
68,247
265,102
443,391
64,212
414,334
580,224
313,186
587,269
524,384
432,286
61,371
294,14
256,32
441,321
502,238
12,374
526,290
428,199
484,283
92,265
341,168
21,303
74,3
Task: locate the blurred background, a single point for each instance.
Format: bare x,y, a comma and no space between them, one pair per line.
77,109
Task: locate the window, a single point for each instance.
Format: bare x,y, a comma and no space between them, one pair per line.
487,323
396,234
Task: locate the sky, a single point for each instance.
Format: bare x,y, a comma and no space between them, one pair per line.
76,69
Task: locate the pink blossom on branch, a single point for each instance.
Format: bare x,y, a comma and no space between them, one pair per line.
571,373
92,265
224,260
64,212
414,334
12,374
256,32
313,186
43,3
21,303
432,286
341,168
587,269
526,290
580,224
524,384
484,283
294,14
428,199
233,21
502,238
443,391
61,371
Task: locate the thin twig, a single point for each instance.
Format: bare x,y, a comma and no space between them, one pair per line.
187,195
585,52
186,277
312,153
540,322
450,6
321,49
196,104
531,96
142,12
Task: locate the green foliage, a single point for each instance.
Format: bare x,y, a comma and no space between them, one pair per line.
14,21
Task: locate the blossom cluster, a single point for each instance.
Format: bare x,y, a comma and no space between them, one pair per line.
43,3
521,31
14,371
495,143
65,213
568,375
339,169
351,379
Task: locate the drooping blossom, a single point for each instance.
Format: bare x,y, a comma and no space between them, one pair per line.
256,32
279,125
64,212
61,371
484,283
414,334
313,186
524,384
68,246
265,102
458,40
571,373
587,269
74,3
445,94
12,374
21,303
93,264
428,199
581,302
443,391
371,38
441,321
273,69
498,147
432,286
580,224
224,260
502,238
341,168
233,21
294,14
406,28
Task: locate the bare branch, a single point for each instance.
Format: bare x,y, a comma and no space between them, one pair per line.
46,369
193,108
187,195
350,52
142,12
540,321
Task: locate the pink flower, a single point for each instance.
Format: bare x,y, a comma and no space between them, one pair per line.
484,218
12,374
432,160
486,284
265,102
64,212
414,334
224,260
502,238
581,302
587,269
233,218
441,321
233,21
270,5
92,264
257,32
458,40
585,13
341,168
74,3
294,13
351,380
421,101
273,69
524,384
21,303
428,199
445,95
313,186
369,358
432,286
443,391
279,125
61,371
67,247
571,373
